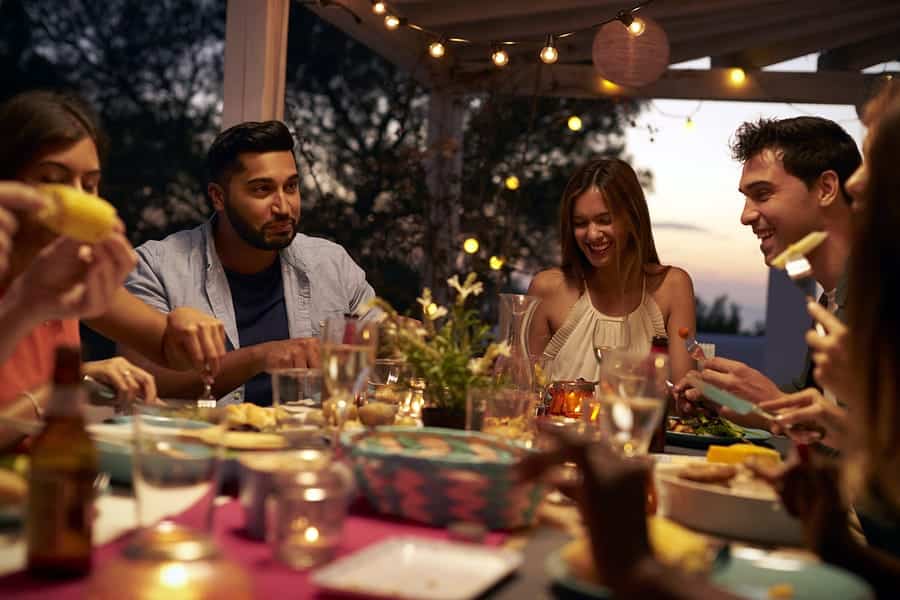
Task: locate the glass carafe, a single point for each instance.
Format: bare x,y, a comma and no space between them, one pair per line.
516,312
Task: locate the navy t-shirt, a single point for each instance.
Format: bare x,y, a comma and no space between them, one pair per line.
261,317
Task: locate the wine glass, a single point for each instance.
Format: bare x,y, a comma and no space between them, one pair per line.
348,356
297,400
630,400
610,334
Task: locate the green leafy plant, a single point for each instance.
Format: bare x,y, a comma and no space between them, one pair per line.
451,349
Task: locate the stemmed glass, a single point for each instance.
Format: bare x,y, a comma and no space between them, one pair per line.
609,335
630,399
348,356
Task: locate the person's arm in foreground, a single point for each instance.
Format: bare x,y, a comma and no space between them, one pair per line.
811,491
611,500
682,314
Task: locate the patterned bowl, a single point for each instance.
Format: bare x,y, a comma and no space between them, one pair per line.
438,476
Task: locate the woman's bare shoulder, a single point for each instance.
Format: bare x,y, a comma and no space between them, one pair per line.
668,280
548,283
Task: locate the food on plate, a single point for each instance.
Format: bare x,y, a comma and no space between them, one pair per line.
703,425
328,411
253,440
391,393
377,413
781,591
740,453
672,544
80,216
802,247
708,472
511,428
250,417
13,488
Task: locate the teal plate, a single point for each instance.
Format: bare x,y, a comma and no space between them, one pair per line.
747,578
693,440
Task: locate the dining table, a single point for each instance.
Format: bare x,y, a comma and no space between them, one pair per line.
116,520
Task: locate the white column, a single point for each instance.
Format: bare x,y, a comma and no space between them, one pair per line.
786,325
443,175
255,60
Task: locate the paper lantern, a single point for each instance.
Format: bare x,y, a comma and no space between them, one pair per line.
628,59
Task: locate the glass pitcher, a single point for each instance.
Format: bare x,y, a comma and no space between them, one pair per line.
515,370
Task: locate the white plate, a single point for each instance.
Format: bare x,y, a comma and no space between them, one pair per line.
724,512
414,568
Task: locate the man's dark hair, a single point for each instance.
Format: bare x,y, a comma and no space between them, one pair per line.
252,136
810,146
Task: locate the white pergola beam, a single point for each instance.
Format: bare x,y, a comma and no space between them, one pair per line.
255,60
582,81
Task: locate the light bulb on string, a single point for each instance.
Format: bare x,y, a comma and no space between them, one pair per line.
512,182
637,27
499,56
471,245
549,53
574,123
437,49
392,22
379,8
737,76
496,262
689,124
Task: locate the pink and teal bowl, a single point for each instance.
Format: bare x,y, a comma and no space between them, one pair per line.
440,476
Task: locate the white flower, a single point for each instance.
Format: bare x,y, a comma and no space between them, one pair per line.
470,287
430,310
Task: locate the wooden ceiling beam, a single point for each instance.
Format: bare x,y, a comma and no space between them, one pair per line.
576,81
864,54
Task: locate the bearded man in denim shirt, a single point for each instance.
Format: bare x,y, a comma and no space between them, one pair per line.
248,265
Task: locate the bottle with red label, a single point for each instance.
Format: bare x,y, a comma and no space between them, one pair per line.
660,345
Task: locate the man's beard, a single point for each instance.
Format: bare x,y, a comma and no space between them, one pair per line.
257,237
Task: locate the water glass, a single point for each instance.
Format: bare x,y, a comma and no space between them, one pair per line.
297,399
629,402
175,459
503,412
386,392
610,335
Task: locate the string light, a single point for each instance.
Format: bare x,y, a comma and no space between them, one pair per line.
499,56
512,182
689,123
496,262
549,53
737,76
392,22
637,27
470,246
609,87
574,123
379,8
437,49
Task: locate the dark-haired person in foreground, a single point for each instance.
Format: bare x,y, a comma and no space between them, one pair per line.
248,265
793,181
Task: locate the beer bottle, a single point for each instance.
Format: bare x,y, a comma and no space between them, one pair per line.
61,479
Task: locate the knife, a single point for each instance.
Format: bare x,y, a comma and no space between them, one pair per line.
728,400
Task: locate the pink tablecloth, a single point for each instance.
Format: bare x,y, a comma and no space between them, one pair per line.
271,579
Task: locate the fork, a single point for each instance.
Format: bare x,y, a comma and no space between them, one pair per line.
206,399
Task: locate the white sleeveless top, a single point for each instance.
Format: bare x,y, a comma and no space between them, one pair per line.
570,352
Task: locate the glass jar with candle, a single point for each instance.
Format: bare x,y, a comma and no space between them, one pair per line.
305,518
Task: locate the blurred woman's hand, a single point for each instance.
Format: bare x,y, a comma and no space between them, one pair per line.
807,412
830,353
15,199
130,381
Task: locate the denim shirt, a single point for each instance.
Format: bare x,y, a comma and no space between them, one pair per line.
321,281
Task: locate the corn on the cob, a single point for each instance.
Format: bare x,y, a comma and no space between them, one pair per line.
77,215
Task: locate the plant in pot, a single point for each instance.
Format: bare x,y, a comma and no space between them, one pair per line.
450,348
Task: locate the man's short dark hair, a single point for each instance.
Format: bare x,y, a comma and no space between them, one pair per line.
810,146
252,136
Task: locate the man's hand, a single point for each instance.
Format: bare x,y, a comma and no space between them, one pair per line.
193,340
809,409
71,280
130,381
293,353
15,198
